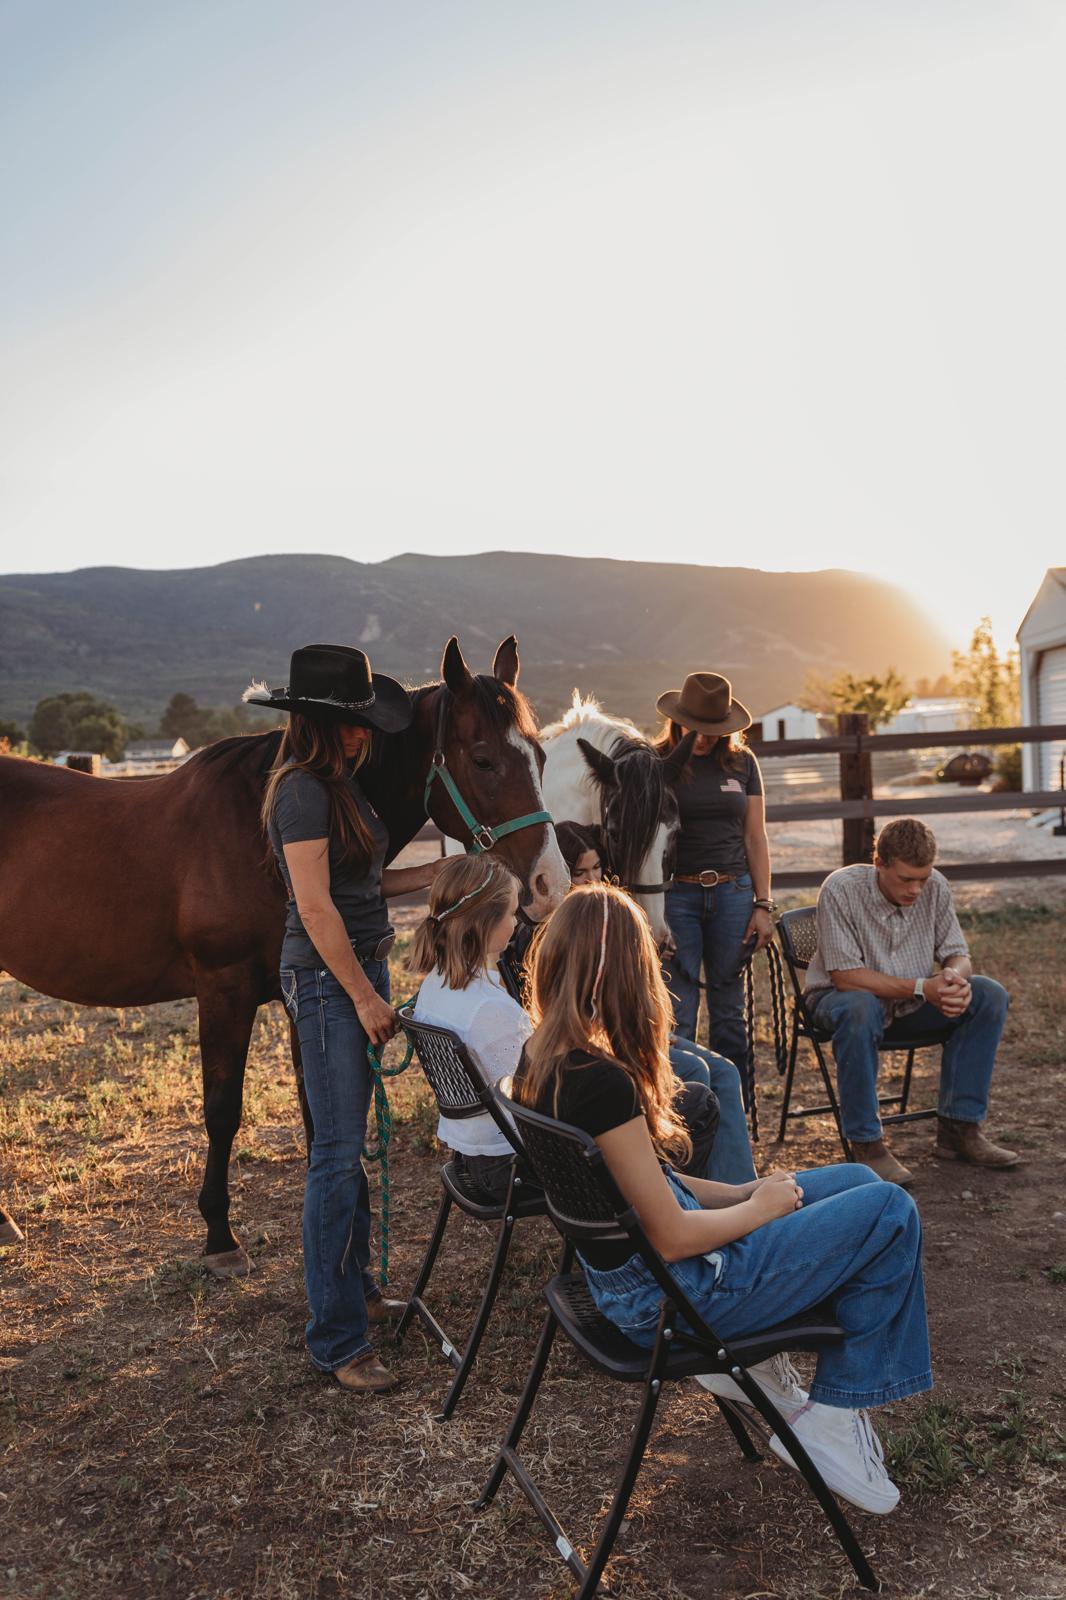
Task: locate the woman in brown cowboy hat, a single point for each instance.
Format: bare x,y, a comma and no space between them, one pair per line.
330,846
719,906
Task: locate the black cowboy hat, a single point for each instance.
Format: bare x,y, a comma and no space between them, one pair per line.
334,681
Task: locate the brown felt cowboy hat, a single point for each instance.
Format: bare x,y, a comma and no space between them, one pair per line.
335,681
705,703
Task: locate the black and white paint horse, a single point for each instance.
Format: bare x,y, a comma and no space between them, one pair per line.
600,771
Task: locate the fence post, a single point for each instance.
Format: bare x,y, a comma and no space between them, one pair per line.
856,783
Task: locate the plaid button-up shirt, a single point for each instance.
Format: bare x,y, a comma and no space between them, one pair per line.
858,927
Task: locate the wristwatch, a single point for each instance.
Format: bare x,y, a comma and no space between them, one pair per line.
919,988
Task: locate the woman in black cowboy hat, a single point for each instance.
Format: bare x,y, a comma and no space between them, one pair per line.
330,846
719,906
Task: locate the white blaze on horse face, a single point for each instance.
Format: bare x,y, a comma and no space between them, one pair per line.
549,877
653,871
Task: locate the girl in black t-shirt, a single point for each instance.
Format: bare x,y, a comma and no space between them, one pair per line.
749,1255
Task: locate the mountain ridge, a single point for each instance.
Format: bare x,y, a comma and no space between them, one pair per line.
623,630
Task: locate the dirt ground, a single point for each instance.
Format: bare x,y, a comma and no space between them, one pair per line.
162,1434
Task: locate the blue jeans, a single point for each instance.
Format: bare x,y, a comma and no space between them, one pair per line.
731,1160
857,1023
856,1243
708,926
336,1233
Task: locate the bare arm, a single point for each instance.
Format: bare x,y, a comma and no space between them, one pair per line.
407,880
757,851
949,991
676,1233
308,864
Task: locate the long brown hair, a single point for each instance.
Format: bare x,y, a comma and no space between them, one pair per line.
468,897
314,745
623,1011
730,748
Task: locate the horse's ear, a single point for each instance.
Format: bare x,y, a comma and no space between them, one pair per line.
506,665
601,765
453,669
674,764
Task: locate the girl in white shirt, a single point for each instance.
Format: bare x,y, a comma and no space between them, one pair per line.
472,906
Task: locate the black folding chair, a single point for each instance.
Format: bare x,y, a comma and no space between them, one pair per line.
461,1092
798,933
586,1207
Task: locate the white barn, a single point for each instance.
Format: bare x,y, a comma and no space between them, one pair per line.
788,722
1042,648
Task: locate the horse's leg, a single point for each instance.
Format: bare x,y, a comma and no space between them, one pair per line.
227,1002
10,1232
301,1090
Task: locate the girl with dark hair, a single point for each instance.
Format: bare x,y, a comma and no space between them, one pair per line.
749,1255
330,847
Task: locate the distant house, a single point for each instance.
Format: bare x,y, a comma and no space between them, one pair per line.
1042,649
943,714
155,750
787,722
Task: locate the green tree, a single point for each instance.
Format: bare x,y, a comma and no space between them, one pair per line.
197,725
880,697
182,719
77,722
991,682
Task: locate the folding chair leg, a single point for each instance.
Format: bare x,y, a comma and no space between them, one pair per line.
521,1416
831,1096
426,1268
790,1073
814,1480
906,1091
628,1477
739,1431
488,1300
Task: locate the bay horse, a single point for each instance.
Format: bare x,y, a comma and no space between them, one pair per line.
124,893
601,771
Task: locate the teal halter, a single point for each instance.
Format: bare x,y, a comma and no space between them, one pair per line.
482,837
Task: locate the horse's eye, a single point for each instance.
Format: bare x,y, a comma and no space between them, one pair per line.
482,763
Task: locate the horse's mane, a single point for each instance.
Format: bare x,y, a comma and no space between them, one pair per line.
584,710
637,804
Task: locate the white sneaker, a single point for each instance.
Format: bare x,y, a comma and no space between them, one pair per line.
777,1378
847,1452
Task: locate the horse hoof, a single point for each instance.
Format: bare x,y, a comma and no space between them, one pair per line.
227,1264
10,1232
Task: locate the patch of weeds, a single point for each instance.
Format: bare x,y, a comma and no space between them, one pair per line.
1023,1274
943,1442
1057,1273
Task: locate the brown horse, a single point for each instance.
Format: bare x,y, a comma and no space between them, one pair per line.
126,893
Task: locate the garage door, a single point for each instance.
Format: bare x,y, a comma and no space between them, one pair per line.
1051,707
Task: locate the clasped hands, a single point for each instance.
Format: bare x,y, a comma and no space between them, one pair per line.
949,991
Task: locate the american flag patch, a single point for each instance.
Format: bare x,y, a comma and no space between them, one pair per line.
732,786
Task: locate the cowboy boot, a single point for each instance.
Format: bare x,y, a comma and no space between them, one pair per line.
878,1157
964,1141
380,1311
365,1375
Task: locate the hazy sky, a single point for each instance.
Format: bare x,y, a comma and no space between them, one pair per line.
761,284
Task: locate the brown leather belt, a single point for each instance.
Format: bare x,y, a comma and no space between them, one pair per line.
708,879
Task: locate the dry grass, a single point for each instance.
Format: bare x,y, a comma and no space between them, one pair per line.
162,1434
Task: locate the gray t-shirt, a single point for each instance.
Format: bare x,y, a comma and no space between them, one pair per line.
713,802
301,812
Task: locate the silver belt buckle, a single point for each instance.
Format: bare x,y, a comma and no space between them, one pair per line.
710,878
384,945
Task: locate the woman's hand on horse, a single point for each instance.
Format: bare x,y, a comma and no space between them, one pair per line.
760,928
377,1017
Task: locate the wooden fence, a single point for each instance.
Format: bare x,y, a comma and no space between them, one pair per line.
857,805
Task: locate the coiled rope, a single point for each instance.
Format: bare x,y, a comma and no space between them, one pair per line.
778,1023
383,1118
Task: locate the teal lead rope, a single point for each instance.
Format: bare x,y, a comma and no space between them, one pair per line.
383,1118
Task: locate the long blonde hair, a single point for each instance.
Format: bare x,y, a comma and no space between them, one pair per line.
596,985
468,897
314,745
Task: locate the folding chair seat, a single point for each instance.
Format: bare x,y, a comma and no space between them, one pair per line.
461,1092
797,931
586,1207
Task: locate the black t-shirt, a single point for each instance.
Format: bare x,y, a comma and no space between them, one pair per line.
301,812
713,802
595,1094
